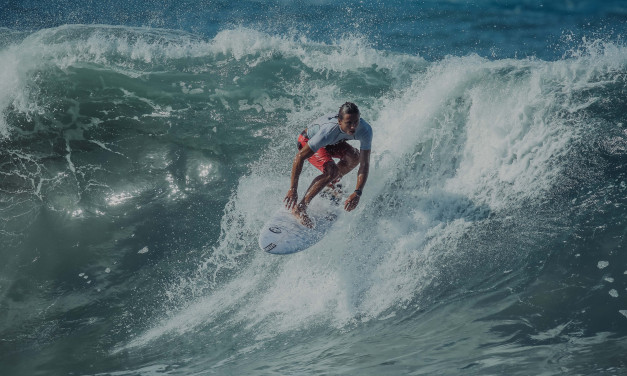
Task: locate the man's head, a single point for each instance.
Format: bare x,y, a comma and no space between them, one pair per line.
348,118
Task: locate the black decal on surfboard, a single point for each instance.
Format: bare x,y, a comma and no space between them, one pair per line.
269,247
276,230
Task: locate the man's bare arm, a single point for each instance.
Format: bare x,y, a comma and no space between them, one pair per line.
291,198
362,177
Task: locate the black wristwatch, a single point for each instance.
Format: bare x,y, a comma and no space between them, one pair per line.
358,191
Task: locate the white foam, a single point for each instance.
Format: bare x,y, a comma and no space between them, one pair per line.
466,132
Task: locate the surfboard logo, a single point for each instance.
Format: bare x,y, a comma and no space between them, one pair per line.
276,230
269,247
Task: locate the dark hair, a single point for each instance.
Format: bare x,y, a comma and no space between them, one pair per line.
347,108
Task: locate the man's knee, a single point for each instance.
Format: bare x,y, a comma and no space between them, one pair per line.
331,170
352,158
355,158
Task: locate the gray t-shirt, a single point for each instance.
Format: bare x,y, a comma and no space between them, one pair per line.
326,131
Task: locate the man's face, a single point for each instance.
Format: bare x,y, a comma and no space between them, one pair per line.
349,123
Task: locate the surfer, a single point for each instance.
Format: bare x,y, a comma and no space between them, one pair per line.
319,143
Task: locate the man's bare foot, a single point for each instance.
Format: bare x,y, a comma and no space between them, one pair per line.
300,214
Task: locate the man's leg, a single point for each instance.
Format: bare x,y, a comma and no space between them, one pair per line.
348,155
323,161
329,173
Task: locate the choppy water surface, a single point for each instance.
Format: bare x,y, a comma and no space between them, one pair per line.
143,145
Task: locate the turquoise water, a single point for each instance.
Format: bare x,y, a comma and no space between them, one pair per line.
143,145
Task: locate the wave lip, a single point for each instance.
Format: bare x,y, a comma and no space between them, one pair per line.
138,52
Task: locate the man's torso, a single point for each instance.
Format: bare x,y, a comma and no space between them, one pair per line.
326,131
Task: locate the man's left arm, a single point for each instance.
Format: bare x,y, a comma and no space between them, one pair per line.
362,176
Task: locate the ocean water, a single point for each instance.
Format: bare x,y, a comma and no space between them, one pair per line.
143,144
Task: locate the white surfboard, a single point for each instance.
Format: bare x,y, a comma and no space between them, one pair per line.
284,234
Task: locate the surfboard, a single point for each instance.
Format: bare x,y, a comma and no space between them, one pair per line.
283,234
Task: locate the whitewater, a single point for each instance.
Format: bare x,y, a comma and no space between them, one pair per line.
138,163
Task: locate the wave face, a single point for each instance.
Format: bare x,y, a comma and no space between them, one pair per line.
138,165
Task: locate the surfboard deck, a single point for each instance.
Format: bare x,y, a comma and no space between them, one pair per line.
283,234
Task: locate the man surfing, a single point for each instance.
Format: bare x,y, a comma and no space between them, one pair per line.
319,143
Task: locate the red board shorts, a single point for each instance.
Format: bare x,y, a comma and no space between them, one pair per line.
327,153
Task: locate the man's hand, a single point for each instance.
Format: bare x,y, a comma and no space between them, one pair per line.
291,198
351,202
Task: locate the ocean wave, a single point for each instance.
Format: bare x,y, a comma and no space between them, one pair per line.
484,172
468,159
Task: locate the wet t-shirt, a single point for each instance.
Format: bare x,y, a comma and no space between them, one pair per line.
326,131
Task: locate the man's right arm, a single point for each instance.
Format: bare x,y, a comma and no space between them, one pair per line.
291,198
